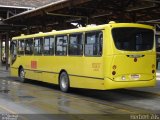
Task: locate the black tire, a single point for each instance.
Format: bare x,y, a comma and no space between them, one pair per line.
21,75
64,82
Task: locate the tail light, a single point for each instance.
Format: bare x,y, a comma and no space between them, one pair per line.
114,73
153,71
135,59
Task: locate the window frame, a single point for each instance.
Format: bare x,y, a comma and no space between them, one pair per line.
32,47
53,47
100,43
21,47
39,46
131,47
82,41
62,35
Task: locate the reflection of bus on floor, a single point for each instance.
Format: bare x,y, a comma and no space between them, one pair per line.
111,56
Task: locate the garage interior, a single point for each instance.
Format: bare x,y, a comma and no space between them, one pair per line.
38,100
32,17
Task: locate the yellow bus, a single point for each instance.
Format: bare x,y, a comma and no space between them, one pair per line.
109,56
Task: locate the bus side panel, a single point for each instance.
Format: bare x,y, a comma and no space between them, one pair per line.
15,66
83,72
50,77
30,74
14,72
89,83
86,72
74,66
26,64
46,69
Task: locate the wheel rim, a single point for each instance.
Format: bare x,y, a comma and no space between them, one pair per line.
22,75
64,81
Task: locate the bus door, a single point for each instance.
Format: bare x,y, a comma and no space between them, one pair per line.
13,51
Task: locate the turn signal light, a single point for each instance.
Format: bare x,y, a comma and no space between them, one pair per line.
114,67
153,66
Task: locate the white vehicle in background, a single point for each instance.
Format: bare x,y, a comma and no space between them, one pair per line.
3,58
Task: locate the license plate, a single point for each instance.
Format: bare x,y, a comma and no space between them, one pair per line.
135,76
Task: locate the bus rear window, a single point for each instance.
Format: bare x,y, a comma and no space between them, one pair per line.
133,39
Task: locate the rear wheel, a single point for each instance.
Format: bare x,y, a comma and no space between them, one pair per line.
64,82
21,75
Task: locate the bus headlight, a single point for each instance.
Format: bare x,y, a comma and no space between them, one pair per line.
123,78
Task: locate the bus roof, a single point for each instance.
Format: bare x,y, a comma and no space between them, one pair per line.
82,29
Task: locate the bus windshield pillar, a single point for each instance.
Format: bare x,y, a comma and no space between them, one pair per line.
7,49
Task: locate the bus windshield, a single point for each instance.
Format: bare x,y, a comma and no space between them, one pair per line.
133,39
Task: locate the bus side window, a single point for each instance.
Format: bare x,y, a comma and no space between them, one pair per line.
21,47
75,44
29,46
52,46
38,46
48,46
93,43
61,45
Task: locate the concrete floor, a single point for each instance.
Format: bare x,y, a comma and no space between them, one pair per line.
41,101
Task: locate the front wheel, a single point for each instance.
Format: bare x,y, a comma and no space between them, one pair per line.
21,75
64,82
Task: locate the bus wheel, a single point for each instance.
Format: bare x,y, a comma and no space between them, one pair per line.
64,82
21,75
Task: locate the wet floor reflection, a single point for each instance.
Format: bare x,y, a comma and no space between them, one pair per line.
4,86
46,98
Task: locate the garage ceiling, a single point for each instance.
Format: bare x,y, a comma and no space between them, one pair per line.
60,15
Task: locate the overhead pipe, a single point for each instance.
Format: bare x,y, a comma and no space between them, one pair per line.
66,15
